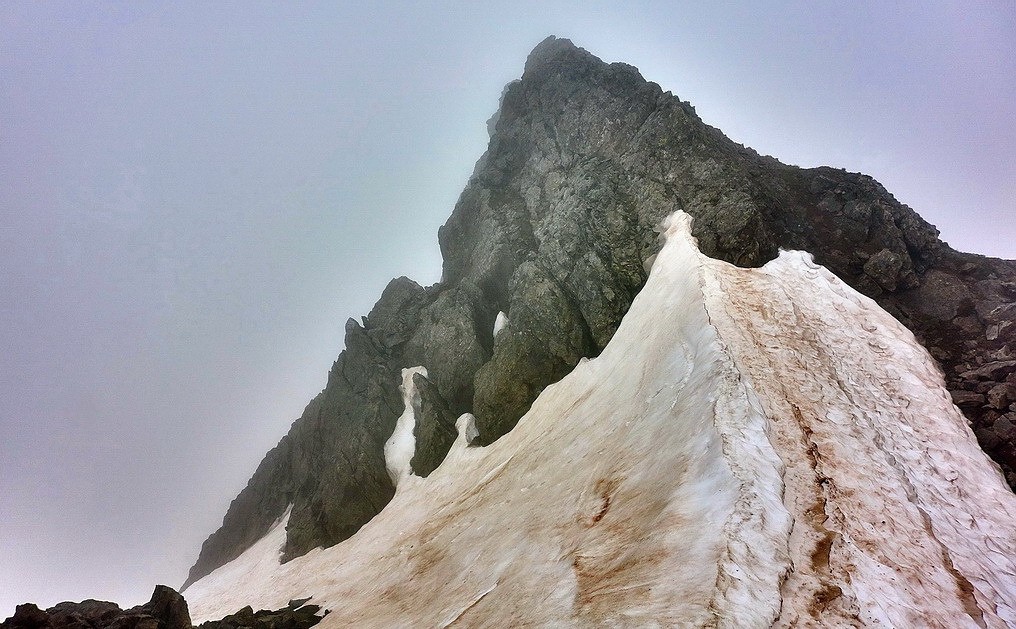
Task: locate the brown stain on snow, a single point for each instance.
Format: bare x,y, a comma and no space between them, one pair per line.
605,488
618,560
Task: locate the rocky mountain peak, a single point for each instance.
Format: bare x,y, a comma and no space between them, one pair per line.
554,231
559,52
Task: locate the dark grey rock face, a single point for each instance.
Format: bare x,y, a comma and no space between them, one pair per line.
554,228
166,610
169,607
435,429
295,616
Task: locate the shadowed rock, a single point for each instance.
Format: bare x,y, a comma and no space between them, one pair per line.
295,616
166,610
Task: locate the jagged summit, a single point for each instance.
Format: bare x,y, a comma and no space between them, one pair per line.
554,231
558,53
558,58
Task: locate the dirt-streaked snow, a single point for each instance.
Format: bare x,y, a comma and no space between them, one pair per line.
753,447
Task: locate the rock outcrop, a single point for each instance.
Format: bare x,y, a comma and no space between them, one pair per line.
296,615
554,229
166,610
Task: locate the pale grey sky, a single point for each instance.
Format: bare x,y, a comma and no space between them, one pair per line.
196,196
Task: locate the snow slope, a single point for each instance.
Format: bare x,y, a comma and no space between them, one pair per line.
754,447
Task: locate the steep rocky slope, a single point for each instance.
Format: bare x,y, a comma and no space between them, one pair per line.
553,230
753,448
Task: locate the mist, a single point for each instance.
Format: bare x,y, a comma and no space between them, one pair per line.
199,195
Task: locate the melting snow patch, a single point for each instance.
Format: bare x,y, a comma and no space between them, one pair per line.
401,446
466,426
499,323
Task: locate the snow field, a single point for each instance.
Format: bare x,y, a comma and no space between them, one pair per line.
754,447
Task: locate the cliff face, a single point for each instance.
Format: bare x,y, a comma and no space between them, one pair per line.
554,229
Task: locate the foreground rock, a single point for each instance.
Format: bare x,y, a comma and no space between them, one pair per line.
296,615
553,229
166,610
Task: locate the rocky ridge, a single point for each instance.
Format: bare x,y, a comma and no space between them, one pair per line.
554,229
166,610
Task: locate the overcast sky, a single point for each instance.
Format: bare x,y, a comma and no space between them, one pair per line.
195,196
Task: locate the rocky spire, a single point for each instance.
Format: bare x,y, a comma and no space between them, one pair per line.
554,229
